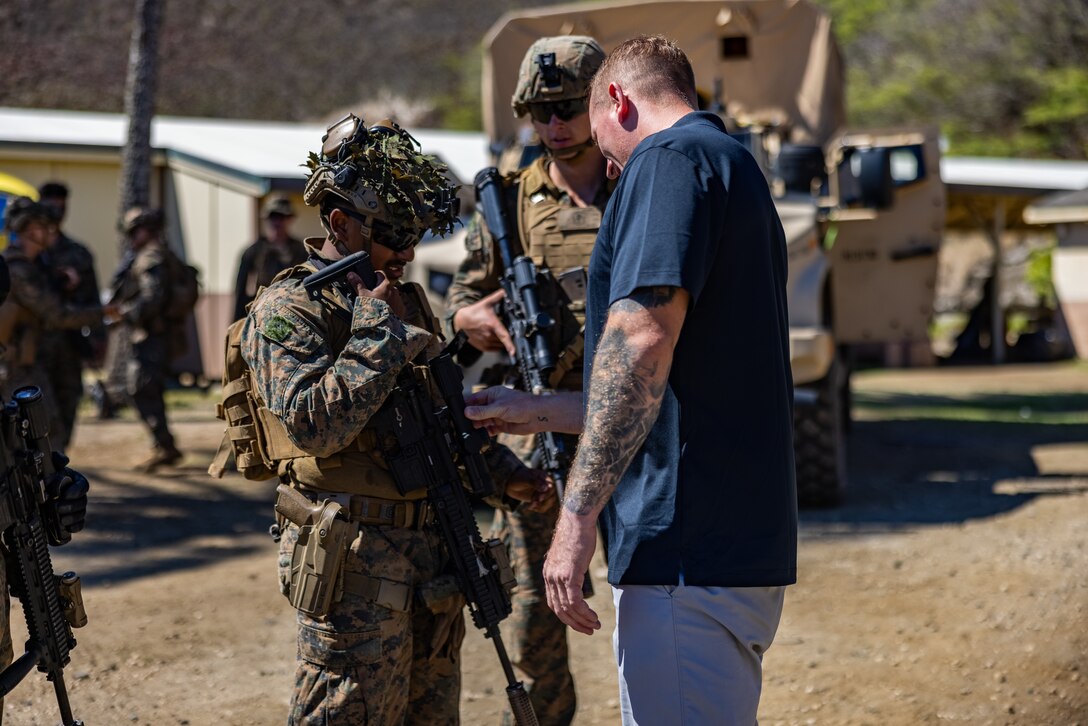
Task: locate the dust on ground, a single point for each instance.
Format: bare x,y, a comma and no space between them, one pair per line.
951,586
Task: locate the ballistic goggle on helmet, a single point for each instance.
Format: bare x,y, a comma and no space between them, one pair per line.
378,176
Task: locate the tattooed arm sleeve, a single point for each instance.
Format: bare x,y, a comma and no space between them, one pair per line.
630,374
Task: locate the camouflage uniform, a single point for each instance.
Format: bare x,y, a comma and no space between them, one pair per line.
140,287
559,236
62,353
384,649
31,306
323,369
259,265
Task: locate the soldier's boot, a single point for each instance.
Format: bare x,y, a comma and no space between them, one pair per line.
102,403
160,457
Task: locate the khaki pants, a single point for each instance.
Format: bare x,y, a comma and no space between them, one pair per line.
693,655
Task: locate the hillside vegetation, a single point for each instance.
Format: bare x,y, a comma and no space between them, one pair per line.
1001,77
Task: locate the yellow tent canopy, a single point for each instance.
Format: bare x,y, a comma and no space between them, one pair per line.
15,187
10,188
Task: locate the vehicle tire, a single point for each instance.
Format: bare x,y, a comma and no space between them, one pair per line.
819,440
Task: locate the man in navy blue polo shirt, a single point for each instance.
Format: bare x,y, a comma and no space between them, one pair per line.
686,454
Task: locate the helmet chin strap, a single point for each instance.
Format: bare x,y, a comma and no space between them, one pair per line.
569,153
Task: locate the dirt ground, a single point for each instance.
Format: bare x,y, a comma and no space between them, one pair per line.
952,586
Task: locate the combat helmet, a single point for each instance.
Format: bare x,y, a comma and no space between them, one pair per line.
137,217
21,211
379,176
277,205
557,69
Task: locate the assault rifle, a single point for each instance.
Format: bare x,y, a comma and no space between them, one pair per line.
529,326
434,443
52,604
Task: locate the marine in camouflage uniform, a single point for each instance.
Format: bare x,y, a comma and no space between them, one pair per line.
140,288
32,306
388,650
29,302
272,253
69,265
557,203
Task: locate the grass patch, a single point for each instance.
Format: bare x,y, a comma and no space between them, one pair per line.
1052,409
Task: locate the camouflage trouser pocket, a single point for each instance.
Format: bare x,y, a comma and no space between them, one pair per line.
338,650
443,600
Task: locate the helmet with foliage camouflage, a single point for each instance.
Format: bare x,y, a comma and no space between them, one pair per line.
21,211
556,69
379,176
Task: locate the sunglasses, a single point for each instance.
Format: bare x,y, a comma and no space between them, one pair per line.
563,110
382,232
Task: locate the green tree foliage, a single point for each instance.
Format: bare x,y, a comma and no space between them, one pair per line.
1000,77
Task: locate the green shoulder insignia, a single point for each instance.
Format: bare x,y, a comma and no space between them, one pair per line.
277,328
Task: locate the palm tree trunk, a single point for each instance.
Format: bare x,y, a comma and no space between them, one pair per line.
140,104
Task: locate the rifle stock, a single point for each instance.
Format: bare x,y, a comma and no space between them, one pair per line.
337,273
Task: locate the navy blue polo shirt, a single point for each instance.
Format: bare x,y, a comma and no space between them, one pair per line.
711,492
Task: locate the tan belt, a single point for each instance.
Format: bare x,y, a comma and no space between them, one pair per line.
378,512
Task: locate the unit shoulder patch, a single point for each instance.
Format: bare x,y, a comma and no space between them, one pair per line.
277,328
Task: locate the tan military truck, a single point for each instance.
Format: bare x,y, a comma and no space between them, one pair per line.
863,210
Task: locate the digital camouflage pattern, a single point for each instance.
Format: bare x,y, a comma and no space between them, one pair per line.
537,638
323,368
577,58
324,391
363,663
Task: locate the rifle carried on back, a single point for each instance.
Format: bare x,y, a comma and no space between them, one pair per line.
434,443
52,604
529,326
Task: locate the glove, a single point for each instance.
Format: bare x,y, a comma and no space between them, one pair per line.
66,506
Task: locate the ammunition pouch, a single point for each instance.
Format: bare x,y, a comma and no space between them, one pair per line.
255,437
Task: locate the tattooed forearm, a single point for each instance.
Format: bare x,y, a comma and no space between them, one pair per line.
624,399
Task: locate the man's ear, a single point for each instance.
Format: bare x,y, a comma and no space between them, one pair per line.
620,102
338,224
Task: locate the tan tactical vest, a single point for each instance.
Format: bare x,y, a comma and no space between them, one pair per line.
255,431
558,236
